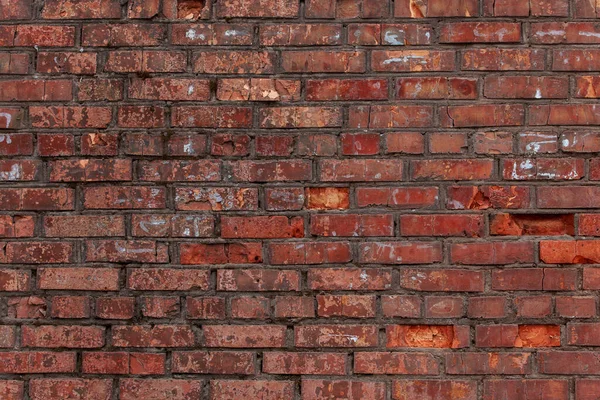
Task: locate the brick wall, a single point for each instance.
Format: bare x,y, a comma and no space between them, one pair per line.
299,199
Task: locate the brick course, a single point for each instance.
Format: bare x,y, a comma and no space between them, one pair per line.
286,199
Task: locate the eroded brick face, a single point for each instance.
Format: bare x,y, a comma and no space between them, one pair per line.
299,199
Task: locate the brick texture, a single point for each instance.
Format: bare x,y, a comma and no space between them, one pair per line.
299,199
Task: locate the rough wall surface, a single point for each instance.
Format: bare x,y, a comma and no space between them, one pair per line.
286,199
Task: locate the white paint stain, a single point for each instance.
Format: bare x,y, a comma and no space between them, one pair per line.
392,38
192,34
8,118
15,173
405,59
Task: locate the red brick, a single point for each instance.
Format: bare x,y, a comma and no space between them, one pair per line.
313,389
36,90
304,363
212,34
412,60
532,224
16,144
436,8
352,225
300,35
169,89
19,170
117,35
124,197
503,59
37,362
400,197
569,252
310,253
487,307
250,307
17,226
427,336
395,363
123,363
100,279
126,251
444,307
475,32
257,9
567,363
205,308
434,389
31,307
152,336
450,169
11,389
517,336
70,307
70,117
405,142
532,388
518,279
436,88
154,389
346,89
390,116
492,253
294,307
36,252
448,143
576,307
84,226
401,306
143,9
160,307
324,336
281,199
349,279
441,225
217,253
400,252
180,170
222,362
67,63
62,336
216,199
75,388
358,170
256,227
567,197
258,280
323,61
169,225
43,36
83,9
353,306
258,89
150,279
232,389
12,280
211,116
471,363
100,89
115,307
389,34
90,170
14,63
446,280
